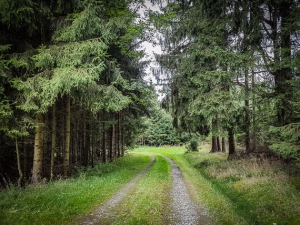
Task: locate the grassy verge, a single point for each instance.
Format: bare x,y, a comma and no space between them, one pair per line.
58,202
259,191
147,202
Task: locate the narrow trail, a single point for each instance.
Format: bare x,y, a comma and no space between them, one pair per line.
183,210
106,209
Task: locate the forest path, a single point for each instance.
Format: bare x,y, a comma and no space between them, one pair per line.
180,210
106,210
183,210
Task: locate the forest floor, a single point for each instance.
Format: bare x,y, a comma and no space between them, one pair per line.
181,209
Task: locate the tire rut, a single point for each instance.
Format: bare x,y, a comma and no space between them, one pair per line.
183,210
106,210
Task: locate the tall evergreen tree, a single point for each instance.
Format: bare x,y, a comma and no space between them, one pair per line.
223,53
76,69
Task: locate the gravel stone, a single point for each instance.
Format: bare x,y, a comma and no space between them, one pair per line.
183,210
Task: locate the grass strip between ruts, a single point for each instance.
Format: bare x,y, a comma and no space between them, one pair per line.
147,202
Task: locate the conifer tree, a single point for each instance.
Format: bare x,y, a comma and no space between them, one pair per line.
76,66
223,53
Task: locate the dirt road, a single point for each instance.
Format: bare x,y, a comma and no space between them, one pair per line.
182,210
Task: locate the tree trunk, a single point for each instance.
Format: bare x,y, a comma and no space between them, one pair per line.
25,161
254,116
223,145
247,113
38,150
219,144
113,141
67,138
53,141
108,144
122,142
214,144
19,165
118,137
282,71
231,149
104,157
87,148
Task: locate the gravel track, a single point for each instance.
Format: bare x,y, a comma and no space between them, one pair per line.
106,210
183,209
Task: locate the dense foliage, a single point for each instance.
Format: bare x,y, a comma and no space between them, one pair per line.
71,85
72,91
233,69
160,131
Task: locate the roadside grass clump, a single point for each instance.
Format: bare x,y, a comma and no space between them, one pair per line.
58,202
147,202
262,190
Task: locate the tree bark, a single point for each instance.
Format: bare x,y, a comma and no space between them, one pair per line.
38,150
25,161
67,139
247,113
104,156
231,149
214,144
254,116
19,165
122,142
219,144
119,136
53,141
108,144
87,148
113,141
223,145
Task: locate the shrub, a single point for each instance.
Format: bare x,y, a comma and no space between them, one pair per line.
193,145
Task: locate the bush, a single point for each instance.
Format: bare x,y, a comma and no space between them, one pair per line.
193,145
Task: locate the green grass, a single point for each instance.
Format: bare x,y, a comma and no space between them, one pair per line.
147,202
260,191
247,191
60,201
